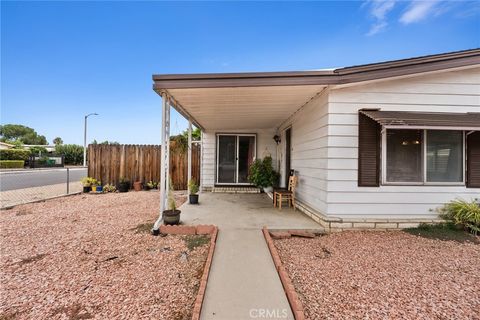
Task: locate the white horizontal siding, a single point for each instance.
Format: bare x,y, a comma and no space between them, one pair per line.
456,91
208,159
309,151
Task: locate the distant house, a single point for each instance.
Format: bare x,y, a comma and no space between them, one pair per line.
4,145
378,143
50,148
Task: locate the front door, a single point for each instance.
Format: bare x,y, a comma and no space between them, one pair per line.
288,154
235,154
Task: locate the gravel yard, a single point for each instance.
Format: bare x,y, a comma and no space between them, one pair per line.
91,256
383,275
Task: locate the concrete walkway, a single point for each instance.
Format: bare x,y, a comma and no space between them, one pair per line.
243,282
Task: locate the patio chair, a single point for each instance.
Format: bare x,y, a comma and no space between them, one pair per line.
286,195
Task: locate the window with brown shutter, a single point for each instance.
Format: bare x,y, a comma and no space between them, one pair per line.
473,160
369,139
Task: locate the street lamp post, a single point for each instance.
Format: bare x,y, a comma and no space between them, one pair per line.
85,139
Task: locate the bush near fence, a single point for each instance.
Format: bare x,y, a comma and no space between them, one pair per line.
72,153
10,164
109,163
14,154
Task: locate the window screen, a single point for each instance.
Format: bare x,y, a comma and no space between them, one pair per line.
444,156
404,156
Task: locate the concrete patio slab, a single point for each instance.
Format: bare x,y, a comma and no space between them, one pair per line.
243,211
243,282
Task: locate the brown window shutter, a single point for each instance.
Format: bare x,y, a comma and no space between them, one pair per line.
369,139
473,160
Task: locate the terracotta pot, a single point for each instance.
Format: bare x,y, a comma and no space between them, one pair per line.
137,186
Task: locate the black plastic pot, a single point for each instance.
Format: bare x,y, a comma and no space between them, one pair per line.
193,198
87,189
171,217
123,187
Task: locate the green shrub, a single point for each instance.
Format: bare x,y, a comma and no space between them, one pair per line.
35,151
464,213
109,188
152,184
14,154
8,164
193,186
72,153
262,174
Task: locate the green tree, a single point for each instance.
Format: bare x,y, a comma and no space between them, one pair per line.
95,142
18,132
57,141
196,134
73,153
36,151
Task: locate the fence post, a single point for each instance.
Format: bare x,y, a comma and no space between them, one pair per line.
68,180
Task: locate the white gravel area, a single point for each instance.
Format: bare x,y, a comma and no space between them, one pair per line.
383,275
91,256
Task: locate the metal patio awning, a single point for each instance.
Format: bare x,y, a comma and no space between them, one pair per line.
425,120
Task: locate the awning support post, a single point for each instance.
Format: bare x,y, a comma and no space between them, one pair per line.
164,160
189,161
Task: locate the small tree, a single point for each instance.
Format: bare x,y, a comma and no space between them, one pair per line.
57,141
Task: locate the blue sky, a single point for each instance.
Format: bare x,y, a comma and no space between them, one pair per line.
62,60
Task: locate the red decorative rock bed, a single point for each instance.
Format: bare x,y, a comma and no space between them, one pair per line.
92,256
380,275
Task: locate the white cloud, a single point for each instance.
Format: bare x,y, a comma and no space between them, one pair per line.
419,10
377,27
379,9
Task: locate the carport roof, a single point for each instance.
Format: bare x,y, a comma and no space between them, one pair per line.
257,100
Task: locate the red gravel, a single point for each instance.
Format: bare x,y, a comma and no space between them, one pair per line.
83,257
383,275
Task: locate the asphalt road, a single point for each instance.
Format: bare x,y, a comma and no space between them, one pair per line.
12,180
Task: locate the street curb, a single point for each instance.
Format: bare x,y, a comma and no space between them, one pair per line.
292,296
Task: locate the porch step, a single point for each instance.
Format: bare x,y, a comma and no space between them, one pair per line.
235,190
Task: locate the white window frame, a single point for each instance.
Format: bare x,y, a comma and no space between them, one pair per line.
424,158
237,138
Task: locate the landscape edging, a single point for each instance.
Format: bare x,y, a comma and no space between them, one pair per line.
292,296
198,230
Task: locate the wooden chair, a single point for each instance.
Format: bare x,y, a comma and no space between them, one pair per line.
289,194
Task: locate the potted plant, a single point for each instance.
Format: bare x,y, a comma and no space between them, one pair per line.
172,215
109,188
193,187
123,185
99,187
87,184
262,174
94,183
151,185
137,186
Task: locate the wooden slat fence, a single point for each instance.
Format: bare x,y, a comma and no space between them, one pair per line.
108,163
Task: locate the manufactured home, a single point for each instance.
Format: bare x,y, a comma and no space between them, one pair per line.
372,145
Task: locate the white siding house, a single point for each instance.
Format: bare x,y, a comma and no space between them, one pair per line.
321,111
